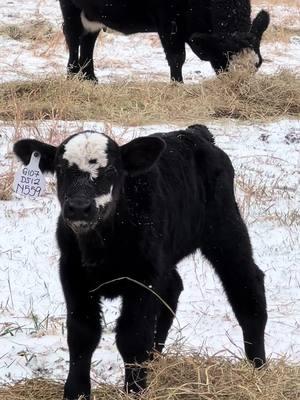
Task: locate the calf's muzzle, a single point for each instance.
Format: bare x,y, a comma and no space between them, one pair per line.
79,209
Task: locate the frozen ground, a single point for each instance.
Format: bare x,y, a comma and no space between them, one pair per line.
266,158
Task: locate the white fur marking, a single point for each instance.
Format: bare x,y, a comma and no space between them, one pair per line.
102,200
90,26
84,147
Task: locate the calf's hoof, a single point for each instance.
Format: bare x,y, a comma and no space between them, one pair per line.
71,393
91,77
76,397
258,363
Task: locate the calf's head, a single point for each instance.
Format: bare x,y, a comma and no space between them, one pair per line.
224,50
90,169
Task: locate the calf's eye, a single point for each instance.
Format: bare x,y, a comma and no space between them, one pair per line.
93,161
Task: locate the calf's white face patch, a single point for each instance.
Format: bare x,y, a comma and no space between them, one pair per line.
88,151
104,199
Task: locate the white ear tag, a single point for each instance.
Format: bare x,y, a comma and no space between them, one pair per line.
29,180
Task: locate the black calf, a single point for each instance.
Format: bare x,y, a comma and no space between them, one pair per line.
216,30
129,214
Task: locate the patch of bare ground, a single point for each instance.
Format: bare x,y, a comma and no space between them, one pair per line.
185,377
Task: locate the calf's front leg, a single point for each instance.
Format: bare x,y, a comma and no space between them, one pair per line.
84,331
135,336
73,29
86,62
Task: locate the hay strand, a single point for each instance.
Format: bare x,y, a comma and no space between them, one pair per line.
185,377
233,95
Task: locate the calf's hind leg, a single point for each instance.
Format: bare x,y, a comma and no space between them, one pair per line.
226,245
170,295
135,336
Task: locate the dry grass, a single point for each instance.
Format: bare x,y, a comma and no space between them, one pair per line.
6,181
233,95
36,30
280,33
39,29
40,36
187,377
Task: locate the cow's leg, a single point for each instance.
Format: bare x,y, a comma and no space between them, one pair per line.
226,245
86,62
173,43
135,336
73,29
84,330
170,295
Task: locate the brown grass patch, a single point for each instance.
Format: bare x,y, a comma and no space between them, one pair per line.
232,95
6,181
187,377
37,29
280,33
42,36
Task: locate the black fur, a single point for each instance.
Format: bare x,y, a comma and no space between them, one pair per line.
181,199
214,29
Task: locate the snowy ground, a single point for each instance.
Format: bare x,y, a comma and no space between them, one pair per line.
266,158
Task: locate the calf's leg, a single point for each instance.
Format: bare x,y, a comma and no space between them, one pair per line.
172,40
226,245
73,29
83,331
87,44
135,336
173,288
175,55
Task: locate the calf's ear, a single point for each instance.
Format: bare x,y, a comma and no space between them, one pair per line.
260,24
140,154
25,147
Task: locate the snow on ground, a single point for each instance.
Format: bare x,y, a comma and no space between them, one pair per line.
266,158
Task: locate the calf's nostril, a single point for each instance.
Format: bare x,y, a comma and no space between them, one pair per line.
78,209
87,209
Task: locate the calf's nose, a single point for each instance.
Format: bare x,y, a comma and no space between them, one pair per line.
79,209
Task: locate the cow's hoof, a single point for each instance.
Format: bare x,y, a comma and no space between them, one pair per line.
76,397
91,78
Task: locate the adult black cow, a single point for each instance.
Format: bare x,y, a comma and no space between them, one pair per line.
129,214
216,30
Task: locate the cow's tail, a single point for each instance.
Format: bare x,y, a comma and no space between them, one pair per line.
203,131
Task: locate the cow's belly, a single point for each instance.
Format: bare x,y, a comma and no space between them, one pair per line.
124,16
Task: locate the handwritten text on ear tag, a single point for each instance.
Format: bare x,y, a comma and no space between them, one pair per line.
29,180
